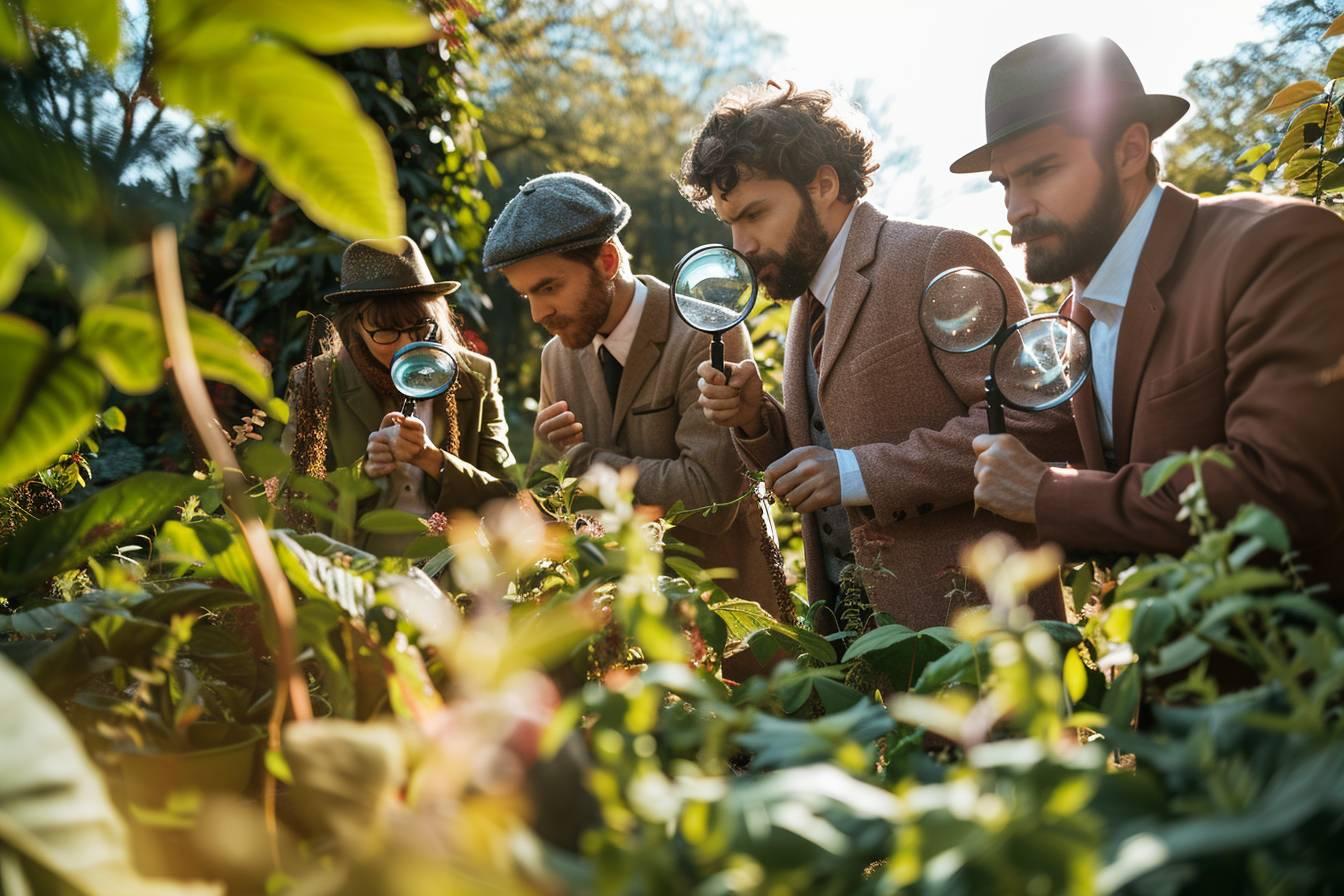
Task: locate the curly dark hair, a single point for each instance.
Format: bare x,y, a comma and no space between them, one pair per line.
781,132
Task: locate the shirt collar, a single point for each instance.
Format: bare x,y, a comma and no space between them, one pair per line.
622,338
823,282
1114,278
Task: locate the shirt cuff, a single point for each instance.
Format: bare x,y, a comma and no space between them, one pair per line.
852,490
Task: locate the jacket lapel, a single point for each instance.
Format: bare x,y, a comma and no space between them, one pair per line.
1084,401
796,405
1144,309
647,347
851,288
357,395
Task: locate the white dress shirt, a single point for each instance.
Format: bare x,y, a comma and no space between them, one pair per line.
1105,296
622,337
853,493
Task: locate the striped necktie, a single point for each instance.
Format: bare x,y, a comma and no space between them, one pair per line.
816,327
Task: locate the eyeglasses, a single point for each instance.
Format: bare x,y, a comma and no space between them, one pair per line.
422,331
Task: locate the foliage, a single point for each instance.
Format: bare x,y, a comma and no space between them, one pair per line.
1236,136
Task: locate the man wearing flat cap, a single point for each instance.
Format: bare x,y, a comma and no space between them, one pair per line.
618,380
1213,322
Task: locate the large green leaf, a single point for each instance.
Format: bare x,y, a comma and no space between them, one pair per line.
53,416
22,238
13,43
22,345
41,548
303,122
214,548
126,344
125,340
54,810
323,26
98,20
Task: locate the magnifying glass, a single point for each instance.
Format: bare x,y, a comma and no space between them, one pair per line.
1037,363
714,290
423,370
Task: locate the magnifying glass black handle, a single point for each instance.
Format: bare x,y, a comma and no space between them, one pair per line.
995,407
408,408
716,353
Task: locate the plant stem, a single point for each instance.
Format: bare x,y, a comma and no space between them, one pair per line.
289,679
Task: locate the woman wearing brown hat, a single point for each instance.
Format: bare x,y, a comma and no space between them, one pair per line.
453,453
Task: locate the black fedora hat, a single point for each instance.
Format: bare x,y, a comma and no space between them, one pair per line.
1066,76
393,267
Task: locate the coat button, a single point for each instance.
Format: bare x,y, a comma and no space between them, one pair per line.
925,508
898,515
827,528
818,426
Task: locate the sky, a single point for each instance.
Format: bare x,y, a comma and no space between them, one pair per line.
925,65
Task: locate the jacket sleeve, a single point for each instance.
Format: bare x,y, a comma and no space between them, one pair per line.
543,452
706,469
1284,388
467,484
933,469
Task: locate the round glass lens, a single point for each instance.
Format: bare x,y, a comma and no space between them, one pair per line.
962,310
423,370
1042,362
715,289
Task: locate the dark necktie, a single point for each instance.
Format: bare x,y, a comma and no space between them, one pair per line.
816,327
611,373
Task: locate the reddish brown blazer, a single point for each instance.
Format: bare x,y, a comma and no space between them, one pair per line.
1233,326
909,414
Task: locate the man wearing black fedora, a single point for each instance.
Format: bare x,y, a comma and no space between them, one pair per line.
453,452
1211,320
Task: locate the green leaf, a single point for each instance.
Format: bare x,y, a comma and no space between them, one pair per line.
880,638
1152,619
98,20
127,345
1066,634
1075,675
52,417
390,521
1157,475
13,42
303,122
23,344
960,665
1293,96
1255,154
1080,586
328,26
224,355
1254,520
22,239
43,547
1244,581
1123,697
1333,181
742,617
54,808
112,419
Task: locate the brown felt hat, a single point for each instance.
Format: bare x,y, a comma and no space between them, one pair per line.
393,267
1065,76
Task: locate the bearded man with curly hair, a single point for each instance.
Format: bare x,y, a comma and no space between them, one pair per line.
872,441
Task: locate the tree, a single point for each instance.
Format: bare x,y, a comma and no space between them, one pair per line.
1229,93
614,90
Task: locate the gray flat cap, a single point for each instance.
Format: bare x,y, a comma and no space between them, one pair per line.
554,213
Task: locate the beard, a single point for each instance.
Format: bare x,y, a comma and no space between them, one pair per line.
578,329
797,265
1083,247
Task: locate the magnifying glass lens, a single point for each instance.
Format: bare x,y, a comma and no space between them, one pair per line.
1042,362
714,289
962,310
